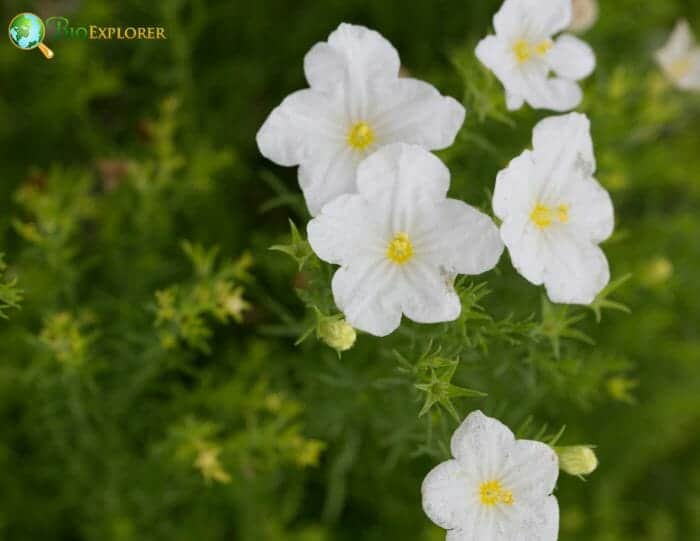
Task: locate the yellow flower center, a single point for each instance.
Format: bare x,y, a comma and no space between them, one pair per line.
524,50
400,249
492,493
543,47
680,68
360,136
543,216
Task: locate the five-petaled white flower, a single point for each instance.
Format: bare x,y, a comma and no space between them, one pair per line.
680,58
400,242
555,213
523,52
356,104
496,488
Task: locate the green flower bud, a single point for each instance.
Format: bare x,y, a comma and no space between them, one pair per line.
337,333
577,459
657,271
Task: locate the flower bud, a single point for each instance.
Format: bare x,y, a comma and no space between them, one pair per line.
337,333
577,459
657,271
585,14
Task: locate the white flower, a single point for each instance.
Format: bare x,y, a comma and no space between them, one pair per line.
555,213
523,52
400,242
680,58
585,14
356,104
496,488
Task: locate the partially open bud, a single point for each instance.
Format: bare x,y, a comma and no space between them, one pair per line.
585,14
337,333
577,459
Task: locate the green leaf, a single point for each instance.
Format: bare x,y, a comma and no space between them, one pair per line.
556,325
601,302
299,249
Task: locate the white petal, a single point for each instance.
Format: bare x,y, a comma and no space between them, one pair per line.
344,231
352,54
547,520
571,58
550,17
459,535
575,270
539,19
398,180
471,533
330,173
691,81
591,209
514,101
531,470
428,294
534,519
481,444
515,187
411,111
446,496
508,20
679,42
305,124
552,93
526,246
493,53
365,291
563,149
464,241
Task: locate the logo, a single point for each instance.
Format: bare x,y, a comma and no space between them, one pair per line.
62,29
27,32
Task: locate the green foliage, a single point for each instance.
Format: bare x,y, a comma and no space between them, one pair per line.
10,294
181,310
151,388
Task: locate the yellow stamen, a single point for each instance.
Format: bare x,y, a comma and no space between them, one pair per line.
541,216
492,493
543,47
400,249
563,213
360,136
521,48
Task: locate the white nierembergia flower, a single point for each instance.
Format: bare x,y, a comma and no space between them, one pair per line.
523,52
356,104
555,213
496,488
400,242
680,58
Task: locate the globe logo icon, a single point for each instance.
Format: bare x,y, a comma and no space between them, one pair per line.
27,32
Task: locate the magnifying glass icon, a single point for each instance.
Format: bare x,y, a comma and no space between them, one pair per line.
27,32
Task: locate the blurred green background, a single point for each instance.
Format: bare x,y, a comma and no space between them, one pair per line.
138,403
